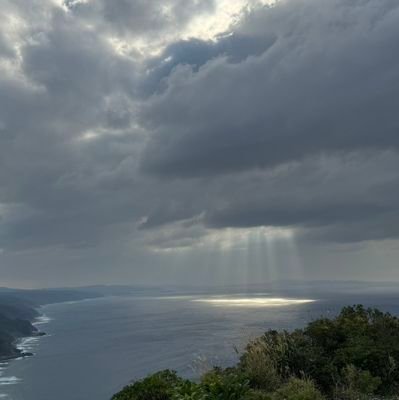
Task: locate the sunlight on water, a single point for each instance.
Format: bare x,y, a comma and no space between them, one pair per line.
253,302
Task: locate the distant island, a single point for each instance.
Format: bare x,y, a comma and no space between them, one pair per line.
354,356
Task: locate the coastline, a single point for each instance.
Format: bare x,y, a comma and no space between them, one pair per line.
21,316
19,347
22,343
22,347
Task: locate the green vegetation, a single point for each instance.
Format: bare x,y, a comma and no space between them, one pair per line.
354,356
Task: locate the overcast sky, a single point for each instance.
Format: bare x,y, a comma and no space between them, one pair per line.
198,141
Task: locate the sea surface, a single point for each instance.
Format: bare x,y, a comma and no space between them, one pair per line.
94,347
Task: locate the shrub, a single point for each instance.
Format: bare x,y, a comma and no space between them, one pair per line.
365,338
229,384
188,391
254,394
259,365
356,384
298,389
159,386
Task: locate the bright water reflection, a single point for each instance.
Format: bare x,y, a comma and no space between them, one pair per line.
253,301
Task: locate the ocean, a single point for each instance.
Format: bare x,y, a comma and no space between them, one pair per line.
95,347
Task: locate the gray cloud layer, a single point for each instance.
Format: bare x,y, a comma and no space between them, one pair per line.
139,18
288,121
327,83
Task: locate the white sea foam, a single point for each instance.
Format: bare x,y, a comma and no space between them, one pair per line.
27,344
9,380
41,320
69,302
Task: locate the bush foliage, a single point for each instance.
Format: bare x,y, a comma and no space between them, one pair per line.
353,356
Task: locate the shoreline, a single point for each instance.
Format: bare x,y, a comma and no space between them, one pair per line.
39,319
21,315
20,353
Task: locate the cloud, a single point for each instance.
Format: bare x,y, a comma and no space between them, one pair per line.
289,121
147,23
66,81
326,82
345,198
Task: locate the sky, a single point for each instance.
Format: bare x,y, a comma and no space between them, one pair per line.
198,141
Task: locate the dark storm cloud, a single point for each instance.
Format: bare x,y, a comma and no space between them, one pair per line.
195,53
66,82
315,192
291,120
337,198
327,83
